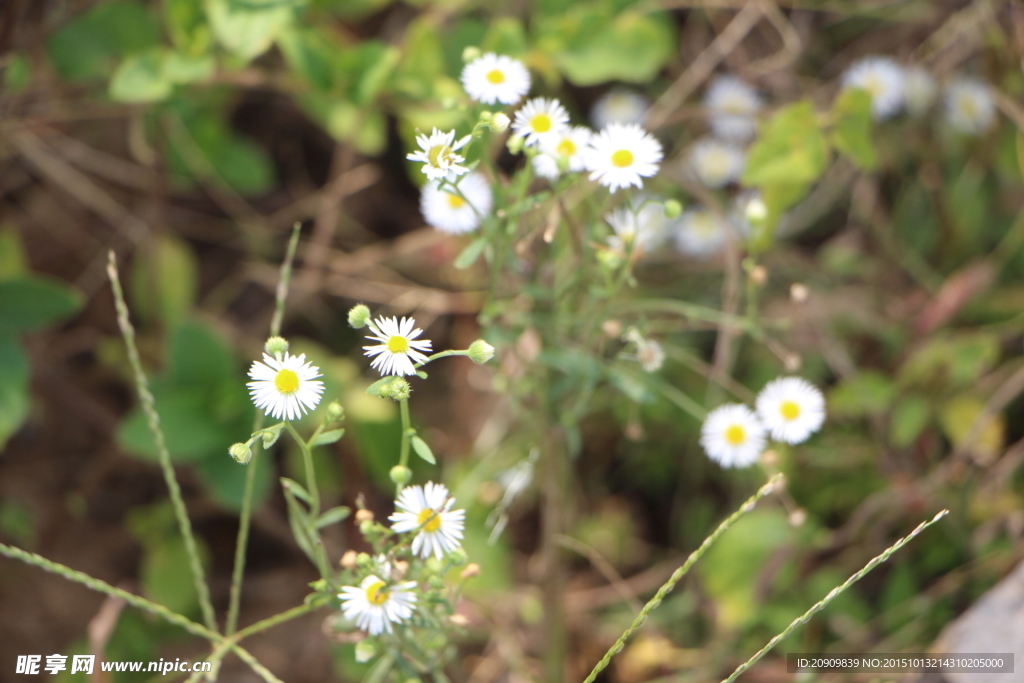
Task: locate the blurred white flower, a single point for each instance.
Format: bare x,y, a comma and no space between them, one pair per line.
564,150
716,163
619,106
457,212
374,605
437,152
919,90
700,233
732,108
791,408
645,227
882,78
732,436
620,155
970,107
496,78
540,118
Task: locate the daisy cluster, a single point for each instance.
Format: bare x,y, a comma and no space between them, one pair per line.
968,104
788,409
423,525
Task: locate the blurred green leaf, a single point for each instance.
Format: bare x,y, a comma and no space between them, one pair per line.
14,374
89,46
298,520
957,419
32,302
423,450
956,361
310,53
181,69
12,254
791,150
197,357
16,522
186,22
332,516
17,74
865,393
165,280
470,253
167,577
505,36
909,418
329,437
190,431
247,28
421,62
141,78
225,479
852,125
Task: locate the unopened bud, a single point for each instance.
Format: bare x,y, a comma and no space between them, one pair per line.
515,144
364,515
470,53
366,527
797,517
500,122
240,452
398,389
358,316
756,210
799,292
365,651
348,560
472,569
458,620
612,328
673,208
759,275
458,557
480,352
276,346
335,413
270,437
400,474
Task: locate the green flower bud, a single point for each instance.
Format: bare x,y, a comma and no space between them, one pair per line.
436,582
335,413
270,436
480,352
359,316
241,453
515,144
365,651
470,53
276,346
756,211
496,121
400,474
398,389
673,208
366,527
458,557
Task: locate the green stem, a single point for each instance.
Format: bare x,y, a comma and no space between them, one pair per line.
442,354
403,455
314,494
832,595
245,516
681,572
153,419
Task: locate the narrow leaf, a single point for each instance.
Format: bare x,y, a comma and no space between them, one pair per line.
423,450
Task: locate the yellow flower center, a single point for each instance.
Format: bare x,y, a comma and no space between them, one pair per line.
439,156
622,158
968,108
566,147
495,77
734,105
455,201
397,344
735,435
427,514
287,382
790,410
874,86
541,123
377,593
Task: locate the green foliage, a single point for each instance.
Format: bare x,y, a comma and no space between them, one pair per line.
88,47
165,572
32,302
248,28
851,127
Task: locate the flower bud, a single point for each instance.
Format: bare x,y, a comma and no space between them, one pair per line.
358,316
366,527
458,557
364,515
241,453
480,352
470,53
500,122
400,474
348,560
759,275
335,413
472,569
515,144
756,211
398,389
365,651
799,292
673,208
276,346
458,620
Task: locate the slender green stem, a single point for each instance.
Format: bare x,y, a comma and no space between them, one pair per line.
681,572
307,459
153,419
442,354
245,516
403,455
832,595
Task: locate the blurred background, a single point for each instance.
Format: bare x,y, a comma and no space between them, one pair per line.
188,136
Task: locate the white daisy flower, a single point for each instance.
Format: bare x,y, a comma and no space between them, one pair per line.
732,107
397,351
620,155
564,150
437,152
619,106
650,355
457,212
539,118
791,409
427,510
919,90
732,436
285,387
882,78
716,163
647,226
700,233
970,108
374,605
496,78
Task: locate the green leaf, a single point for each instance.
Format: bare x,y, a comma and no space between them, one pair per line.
197,357
186,22
225,479
32,302
296,489
298,520
865,393
909,418
423,450
181,69
89,47
957,419
328,437
165,280
247,28
141,78
505,36
332,516
310,54
852,125
790,150
17,74
470,253
166,574
190,431
14,374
